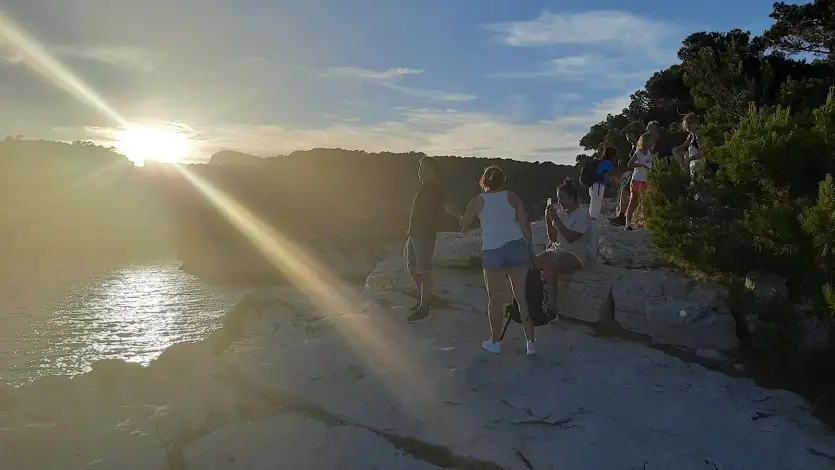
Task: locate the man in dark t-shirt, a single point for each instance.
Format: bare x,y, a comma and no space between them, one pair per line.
428,206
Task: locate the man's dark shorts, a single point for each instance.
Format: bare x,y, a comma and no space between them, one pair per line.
419,254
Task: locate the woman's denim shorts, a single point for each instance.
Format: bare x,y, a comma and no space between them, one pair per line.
515,254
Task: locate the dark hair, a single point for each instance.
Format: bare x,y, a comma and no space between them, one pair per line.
691,116
569,187
429,162
492,178
610,153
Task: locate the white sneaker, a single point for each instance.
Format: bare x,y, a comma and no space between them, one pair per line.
491,347
531,347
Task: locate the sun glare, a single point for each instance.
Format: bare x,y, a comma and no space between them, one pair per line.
143,143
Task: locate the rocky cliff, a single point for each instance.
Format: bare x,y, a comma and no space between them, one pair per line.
341,380
628,285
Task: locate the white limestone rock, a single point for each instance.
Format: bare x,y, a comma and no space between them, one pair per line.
345,264
627,249
587,294
120,415
463,250
458,250
675,309
585,402
390,275
296,442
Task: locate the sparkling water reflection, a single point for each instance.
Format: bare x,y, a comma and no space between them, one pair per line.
133,313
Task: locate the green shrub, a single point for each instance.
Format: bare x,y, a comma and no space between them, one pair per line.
818,221
764,202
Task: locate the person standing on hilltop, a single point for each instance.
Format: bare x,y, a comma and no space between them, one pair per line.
641,163
690,151
428,207
661,148
623,190
506,251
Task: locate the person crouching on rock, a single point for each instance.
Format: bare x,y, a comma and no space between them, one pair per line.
507,253
568,227
428,206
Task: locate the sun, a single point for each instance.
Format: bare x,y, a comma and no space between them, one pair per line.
161,144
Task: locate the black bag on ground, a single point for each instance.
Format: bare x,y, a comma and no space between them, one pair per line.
536,291
588,174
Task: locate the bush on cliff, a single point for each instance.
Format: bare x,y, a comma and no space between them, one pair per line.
764,201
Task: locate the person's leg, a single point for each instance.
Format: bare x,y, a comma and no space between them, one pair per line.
560,263
518,267
634,201
518,285
543,258
623,199
423,251
497,297
411,267
426,255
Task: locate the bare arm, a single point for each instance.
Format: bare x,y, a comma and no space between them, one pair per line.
549,227
473,208
680,153
451,210
522,218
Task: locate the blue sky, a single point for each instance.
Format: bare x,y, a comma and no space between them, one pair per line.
514,78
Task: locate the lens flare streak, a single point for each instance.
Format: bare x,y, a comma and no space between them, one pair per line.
35,56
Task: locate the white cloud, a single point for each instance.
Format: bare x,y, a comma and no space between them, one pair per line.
390,78
128,58
436,95
368,74
589,27
434,131
592,69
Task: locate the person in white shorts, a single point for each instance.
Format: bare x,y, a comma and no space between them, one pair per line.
568,228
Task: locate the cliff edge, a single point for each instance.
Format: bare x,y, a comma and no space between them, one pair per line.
343,381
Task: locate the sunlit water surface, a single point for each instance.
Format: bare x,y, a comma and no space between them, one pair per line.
133,313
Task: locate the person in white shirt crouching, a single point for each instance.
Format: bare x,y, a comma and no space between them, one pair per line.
568,226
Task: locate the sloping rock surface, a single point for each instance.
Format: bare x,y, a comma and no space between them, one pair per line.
343,381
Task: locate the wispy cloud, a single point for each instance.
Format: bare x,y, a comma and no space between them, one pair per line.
434,131
368,74
594,70
589,27
390,78
128,58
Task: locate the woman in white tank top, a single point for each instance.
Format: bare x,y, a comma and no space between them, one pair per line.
507,252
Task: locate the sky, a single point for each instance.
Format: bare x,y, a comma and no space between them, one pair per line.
521,79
